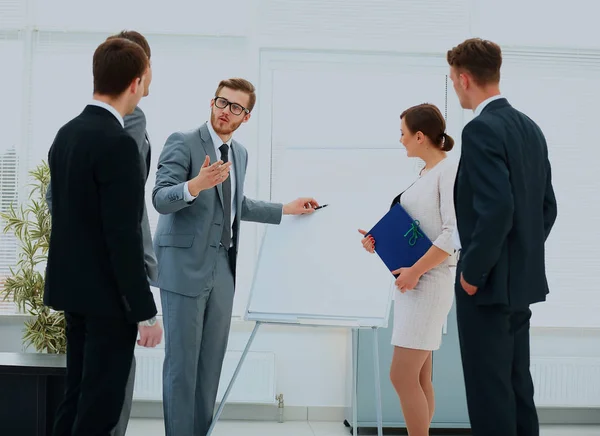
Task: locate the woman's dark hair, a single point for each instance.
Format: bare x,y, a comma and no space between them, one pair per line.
427,119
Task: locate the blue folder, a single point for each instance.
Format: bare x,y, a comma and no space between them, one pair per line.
399,242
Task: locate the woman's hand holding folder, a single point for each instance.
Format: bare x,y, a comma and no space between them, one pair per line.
408,277
368,241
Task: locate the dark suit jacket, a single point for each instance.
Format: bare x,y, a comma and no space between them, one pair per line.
96,259
505,206
135,125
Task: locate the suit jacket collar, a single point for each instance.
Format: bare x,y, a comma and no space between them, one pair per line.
109,108
496,104
92,109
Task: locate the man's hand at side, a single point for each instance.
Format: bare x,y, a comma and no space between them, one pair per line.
150,336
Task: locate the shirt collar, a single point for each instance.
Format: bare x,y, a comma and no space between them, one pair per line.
109,108
484,103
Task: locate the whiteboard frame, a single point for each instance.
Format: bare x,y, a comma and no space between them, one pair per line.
311,319
277,59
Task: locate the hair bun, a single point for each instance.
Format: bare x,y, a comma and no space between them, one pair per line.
447,142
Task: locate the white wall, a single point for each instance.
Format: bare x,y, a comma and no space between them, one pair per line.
532,29
425,29
311,363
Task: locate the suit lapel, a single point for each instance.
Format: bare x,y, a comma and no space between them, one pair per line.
148,152
209,149
239,177
456,181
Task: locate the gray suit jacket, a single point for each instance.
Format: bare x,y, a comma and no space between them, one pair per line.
135,125
188,235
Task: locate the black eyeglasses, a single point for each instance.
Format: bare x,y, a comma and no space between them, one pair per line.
235,108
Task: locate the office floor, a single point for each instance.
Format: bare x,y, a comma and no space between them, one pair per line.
154,427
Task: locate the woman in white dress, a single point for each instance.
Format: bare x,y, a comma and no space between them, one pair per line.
425,291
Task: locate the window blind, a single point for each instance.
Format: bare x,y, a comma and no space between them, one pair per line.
11,145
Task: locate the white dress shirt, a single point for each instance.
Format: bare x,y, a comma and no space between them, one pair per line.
109,108
217,143
476,112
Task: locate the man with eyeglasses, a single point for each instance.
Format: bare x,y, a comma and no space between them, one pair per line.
199,193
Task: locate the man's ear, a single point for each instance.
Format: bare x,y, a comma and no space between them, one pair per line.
135,83
465,80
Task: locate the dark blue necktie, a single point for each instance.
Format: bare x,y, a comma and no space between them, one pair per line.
226,235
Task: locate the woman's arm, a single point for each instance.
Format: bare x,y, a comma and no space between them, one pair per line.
430,260
443,246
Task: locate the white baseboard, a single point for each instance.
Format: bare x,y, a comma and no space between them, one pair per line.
255,383
251,412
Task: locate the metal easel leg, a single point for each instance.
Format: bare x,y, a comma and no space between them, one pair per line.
377,382
235,374
354,381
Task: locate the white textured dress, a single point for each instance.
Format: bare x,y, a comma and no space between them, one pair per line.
420,314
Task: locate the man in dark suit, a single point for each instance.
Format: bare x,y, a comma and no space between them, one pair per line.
135,125
96,272
505,209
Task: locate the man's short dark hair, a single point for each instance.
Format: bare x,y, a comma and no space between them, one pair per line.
117,62
478,57
136,37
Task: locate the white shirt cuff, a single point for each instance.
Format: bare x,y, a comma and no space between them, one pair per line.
186,193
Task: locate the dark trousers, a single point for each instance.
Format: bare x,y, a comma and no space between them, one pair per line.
99,355
494,343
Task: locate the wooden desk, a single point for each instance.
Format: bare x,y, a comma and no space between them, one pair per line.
31,388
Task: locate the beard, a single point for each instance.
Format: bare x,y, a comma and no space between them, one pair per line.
224,128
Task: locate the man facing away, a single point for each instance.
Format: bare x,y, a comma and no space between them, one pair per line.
135,125
505,209
96,272
199,193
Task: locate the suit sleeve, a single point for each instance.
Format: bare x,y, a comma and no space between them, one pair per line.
550,207
121,193
135,126
485,165
49,188
49,197
260,211
172,174
445,240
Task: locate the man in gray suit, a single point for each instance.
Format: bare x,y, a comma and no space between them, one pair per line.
199,193
135,125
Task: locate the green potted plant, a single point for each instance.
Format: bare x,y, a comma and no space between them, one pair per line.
31,224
